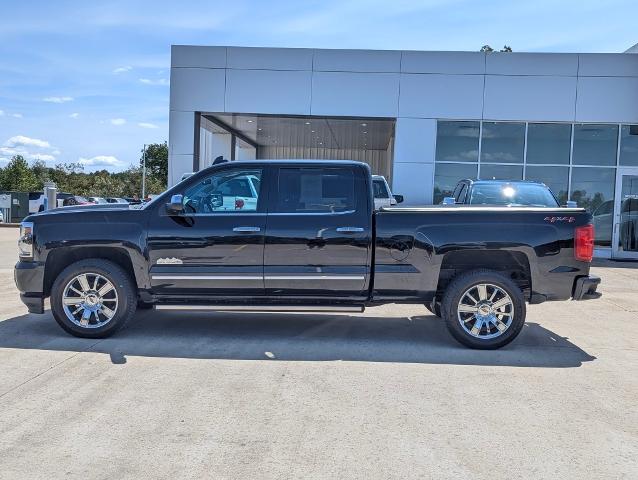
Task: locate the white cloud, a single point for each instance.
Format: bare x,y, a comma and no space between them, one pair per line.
147,125
21,140
16,115
74,115
118,121
57,99
159,81
7,152
125,69
102,161
1,113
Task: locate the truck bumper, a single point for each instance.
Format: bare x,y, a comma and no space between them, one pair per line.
585,288
29,278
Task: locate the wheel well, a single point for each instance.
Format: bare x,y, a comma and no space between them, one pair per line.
513,264
59,259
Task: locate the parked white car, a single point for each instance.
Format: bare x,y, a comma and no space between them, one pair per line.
36,201
97,200
382,194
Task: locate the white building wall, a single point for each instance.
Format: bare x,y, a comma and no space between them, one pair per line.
416,88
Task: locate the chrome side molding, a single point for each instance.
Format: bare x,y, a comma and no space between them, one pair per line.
265,308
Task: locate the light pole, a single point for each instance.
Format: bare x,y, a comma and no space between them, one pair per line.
144,173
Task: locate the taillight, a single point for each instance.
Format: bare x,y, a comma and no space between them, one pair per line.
239,204
584,243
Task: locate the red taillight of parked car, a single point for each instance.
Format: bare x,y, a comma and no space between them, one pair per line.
584,243
239,204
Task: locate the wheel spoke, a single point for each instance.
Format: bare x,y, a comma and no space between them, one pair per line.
86,317
502,303
105,289
482,291
95,282
72,300
476,329
469,295
465,308
84,283
500,325
75,290
107,312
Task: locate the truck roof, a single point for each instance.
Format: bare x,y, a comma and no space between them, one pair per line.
494,181
295,162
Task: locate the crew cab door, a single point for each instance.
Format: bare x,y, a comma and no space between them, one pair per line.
216,245
318,232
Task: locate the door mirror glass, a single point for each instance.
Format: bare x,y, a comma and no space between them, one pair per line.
448,201
571,204
176,205
398,198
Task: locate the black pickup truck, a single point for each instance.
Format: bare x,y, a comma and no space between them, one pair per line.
302,236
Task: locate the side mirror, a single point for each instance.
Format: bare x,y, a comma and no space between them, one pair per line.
448,201
571,204
176,204
398,198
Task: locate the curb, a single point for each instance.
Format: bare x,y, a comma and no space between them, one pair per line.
9,225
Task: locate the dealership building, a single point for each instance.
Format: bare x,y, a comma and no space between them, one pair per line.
423,119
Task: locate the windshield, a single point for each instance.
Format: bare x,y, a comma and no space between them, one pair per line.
521,194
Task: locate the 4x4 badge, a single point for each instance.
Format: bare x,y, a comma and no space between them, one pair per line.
169,261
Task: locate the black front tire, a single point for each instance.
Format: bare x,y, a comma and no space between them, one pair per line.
126,294
452,298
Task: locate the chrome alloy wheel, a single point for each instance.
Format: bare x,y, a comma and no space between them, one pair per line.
485,311
90,300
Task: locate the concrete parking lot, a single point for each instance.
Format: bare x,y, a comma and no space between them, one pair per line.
385,394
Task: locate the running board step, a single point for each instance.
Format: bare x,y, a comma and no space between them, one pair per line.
264,308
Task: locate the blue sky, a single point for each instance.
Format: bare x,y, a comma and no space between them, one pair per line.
88,81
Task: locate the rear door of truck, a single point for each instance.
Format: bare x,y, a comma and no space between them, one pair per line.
318,232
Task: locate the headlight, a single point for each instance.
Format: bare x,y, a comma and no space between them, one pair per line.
25,243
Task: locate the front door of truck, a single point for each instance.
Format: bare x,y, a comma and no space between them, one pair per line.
318,233
216,245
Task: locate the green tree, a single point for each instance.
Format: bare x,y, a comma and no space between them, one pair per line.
156,162
17,176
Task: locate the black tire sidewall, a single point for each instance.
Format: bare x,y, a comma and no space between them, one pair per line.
126,295
453,295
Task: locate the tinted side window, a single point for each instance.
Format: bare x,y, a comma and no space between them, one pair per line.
315,190
224,191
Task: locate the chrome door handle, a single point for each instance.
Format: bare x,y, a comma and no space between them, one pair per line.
349,229
247,229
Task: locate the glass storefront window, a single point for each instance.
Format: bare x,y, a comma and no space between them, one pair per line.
629,145
502,142
447,175
457,141
593,189
556,178
548,143
595,144
501,172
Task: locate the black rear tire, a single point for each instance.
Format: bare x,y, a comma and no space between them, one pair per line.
124,287
452,298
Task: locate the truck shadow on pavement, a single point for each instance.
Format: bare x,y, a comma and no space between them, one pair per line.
293,337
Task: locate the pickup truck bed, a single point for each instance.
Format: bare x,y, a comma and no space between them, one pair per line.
310,240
